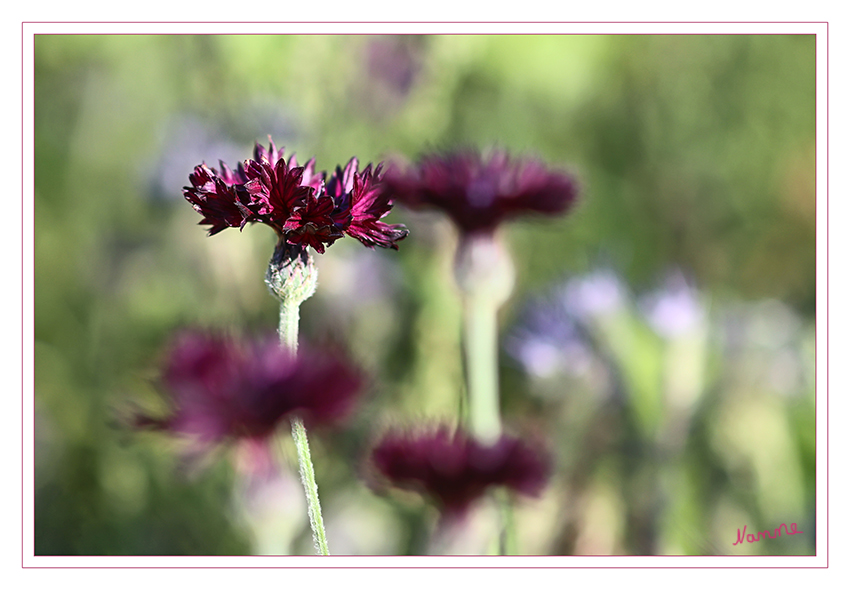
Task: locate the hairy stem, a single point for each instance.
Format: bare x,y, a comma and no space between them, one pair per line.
288,326
292,278
308,479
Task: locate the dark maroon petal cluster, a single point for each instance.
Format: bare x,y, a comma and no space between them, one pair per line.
455,469
223,389
303,206
479,192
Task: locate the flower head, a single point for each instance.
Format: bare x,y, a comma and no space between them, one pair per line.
363,196
213,195
479,192
455,469
222,389
303,206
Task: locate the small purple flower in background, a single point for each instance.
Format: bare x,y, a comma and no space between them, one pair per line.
386,70
185,140
455,470
553,335
675,309
479,192
295,200
222,390
593,294
548,340
393,63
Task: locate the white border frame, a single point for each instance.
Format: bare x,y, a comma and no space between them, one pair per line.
29,560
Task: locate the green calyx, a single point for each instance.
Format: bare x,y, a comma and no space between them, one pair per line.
292,276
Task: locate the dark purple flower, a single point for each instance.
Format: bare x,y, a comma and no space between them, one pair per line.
455,470
230,177
214,197
313,224
276,189
222,389
480,192
295,200
362,197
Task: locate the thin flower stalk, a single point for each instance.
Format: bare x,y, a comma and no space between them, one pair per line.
308,480
478,193
485,276
481,350
292,277
305,208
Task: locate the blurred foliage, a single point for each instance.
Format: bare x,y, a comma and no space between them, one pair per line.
694,153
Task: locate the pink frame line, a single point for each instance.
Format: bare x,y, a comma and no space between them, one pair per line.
446,556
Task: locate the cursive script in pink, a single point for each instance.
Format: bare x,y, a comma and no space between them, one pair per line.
751,538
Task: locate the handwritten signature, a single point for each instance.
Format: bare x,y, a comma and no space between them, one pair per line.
755,538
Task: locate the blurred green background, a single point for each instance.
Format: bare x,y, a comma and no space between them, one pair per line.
661,337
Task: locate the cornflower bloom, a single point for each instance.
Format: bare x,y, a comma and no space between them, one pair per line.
304,207
222,390
455,470
478,193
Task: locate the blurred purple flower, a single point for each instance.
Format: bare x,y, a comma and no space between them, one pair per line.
455,470
553,334
674,309
295,201
394,62
548,340
594,294
479,192
224,390
185,140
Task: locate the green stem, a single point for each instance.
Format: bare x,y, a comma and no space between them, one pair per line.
308,479
292,278
485,275
288,326
481,344
508,544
